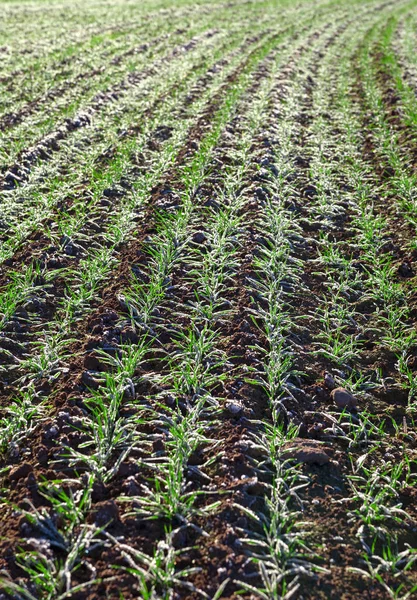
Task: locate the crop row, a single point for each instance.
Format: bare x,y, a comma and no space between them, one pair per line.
207,340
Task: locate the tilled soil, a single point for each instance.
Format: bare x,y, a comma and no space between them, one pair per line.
208,348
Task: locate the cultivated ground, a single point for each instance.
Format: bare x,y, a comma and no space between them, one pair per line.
208,344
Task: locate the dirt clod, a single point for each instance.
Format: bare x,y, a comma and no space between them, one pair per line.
306,451
20,472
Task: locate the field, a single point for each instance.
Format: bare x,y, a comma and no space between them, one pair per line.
208,342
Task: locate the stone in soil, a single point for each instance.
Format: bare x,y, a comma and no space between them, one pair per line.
234,408
405,269
106,513
329,381
344,399
199,237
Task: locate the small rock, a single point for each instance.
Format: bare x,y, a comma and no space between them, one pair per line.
310,191
109,316
245,326
25,529
261,194
131,487
263,174
343,399
70,250
234,409
169,400
110,193
51,433
199,237
14,451
163,132
179,538
20,471
31,482
242,522
329,381
78,121
107,513
315,430
63,417
43,456
129,392
405,269
306,451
